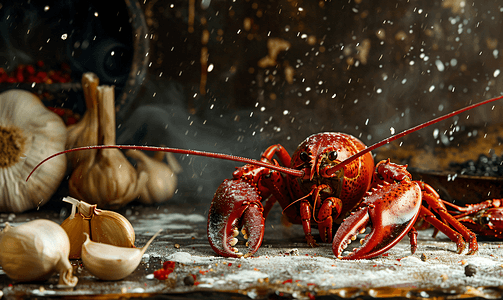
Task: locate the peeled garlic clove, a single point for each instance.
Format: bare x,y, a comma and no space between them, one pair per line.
103,226
34,251
109,262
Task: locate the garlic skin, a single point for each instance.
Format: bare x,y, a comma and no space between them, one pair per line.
162,179
109,262
34,251
29,132
102,226
85,132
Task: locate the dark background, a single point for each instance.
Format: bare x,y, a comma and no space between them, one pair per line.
367,68
361,67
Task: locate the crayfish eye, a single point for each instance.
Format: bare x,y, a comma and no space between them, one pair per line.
332,155
485,220
304,156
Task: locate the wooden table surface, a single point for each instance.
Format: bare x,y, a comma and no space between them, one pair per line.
283,268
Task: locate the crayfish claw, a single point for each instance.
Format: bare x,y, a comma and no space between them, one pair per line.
235,209
348,232
390,211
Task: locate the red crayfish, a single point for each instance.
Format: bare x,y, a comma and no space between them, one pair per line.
485,218
330,178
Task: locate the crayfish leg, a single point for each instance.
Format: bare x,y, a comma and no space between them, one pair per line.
429,217
437,205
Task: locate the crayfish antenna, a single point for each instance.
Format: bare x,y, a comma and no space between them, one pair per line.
408,131
285,170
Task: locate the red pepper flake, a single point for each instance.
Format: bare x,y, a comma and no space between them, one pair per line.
255,269
239,266
374,266
229,264
398,259
385,254
168,265
167,268
310,283
288,281
311,296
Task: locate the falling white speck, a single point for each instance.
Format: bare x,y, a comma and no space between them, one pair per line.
379,91
454,62
440,65
392,130
96,14
496,73
46,8
308,89
285,112
367,122
431,88
64,36
404,80
435,133
210,68
262,108
441,107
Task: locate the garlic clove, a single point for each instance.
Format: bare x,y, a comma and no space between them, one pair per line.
74,228
109,262
34,251
103,226
112,228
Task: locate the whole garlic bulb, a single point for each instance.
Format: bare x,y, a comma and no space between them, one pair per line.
34,251
106,178
29,132
162,179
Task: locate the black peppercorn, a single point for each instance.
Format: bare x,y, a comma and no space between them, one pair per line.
188,280
470,270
